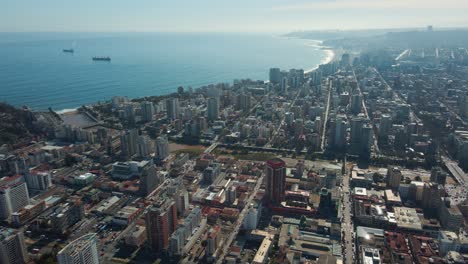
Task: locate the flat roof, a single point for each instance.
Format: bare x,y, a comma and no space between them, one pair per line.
390,195
360,191
407,218
263,250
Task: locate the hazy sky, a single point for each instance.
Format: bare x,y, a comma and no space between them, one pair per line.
227,15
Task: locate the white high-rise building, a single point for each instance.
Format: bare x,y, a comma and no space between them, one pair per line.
38,180
243,102
356,133
284,85
172,108
340,131
251,219
275,75
385,125
289,118
464,106
12,247
182,201
13,195
128,142
143,147
356,103
81,251
213,109
147,111
212,241
394,177
176,242
117,101
130,113
162,147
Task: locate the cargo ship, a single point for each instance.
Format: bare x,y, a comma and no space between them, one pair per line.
68,50
101,59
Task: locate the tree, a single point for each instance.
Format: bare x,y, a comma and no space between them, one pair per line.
303,221
70,160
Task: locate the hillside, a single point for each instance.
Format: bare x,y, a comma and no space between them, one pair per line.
15,124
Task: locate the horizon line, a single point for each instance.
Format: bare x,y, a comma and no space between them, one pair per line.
239,31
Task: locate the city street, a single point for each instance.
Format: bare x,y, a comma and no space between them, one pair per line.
238,224
347,228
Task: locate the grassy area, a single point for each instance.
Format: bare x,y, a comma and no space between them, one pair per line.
245,155
257,156
191,151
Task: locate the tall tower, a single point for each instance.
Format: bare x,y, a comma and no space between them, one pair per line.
12,247
394,177
340,131
162,147
149,180
356,138
213,109
356,103
161,222
130,113
147,111
212,240
275,75
385,126
243,102
172,108
366,141
81,251
13,195
276,180
128,142
144,147
284,85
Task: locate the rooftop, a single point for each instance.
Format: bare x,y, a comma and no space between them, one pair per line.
76,246
276,163
407,218
263,250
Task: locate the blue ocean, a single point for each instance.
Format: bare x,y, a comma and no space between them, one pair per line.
34,71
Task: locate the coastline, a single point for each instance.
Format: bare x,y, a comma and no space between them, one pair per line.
66,111
330,55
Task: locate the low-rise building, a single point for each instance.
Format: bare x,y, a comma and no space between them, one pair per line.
128,170
126,215
137,237
407,218
263,251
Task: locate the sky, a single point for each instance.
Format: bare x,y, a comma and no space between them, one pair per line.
227,15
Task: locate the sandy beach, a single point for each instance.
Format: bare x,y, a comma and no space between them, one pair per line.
331,54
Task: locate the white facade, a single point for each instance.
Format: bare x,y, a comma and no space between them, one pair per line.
128,142
251,219
147,111
12,247
172,108
38,180
81,251
162,147
213,109
143,147
12,198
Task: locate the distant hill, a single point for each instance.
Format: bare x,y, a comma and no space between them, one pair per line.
341,34
381,38
15,124
407,39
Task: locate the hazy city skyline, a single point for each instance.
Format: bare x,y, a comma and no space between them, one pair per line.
228,16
